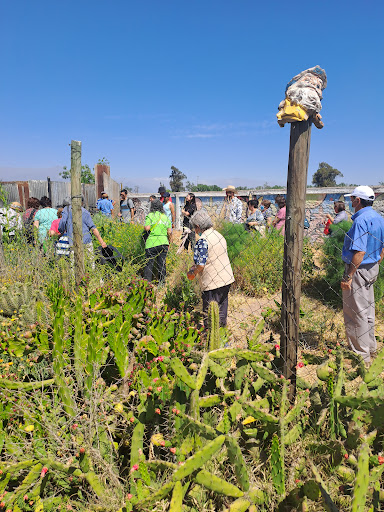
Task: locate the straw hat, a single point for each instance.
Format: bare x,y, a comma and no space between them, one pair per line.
16,206
230,188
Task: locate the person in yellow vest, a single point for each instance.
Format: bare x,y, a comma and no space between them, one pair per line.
211,264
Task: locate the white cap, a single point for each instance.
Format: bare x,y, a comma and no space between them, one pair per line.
363,192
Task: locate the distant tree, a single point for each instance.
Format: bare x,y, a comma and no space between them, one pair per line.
103,161
128,189
325,175
87,175
176,180
342,184
201,187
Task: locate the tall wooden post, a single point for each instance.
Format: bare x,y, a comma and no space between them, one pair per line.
78,247
49,188
299,145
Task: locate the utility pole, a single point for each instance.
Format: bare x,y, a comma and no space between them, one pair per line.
78,247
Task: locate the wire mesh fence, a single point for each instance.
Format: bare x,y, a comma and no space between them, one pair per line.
107,393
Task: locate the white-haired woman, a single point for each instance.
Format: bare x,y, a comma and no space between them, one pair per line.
211,264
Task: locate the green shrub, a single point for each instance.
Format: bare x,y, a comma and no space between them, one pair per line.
257,261
127,238
183,296
181,293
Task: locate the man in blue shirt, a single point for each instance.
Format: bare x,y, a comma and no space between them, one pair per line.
105,205
362,254
88,226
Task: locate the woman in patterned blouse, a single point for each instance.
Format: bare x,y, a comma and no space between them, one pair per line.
211,265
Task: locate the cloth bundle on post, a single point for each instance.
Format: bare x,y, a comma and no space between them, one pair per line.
303,96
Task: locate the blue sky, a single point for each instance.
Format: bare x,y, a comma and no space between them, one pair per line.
195,84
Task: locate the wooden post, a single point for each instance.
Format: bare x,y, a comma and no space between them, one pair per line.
49,188
299,145
78,247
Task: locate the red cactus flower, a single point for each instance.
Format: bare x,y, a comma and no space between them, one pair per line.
132,419
135,467
346,455
300,364
380,459
157,411
172,450
277,346
159,389
43,472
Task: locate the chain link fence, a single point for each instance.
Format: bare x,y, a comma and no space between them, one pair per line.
87,379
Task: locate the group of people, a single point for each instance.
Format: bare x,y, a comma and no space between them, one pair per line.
362,253
211,261
261,217
40,223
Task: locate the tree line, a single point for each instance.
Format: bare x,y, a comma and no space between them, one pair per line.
325,176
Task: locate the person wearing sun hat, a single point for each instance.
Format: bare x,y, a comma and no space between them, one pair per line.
363,251
233,207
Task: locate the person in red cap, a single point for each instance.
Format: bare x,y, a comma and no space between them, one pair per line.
363,251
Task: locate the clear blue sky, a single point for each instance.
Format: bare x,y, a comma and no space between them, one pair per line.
195,84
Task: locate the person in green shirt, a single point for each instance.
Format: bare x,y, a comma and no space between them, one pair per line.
159,228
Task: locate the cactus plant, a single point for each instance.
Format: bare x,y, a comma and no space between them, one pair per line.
237,460
59,362
181,372
177,498
362,480
198,459
216,484
214,326
277,465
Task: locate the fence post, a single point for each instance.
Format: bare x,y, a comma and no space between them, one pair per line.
299,145
49,188
78,247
